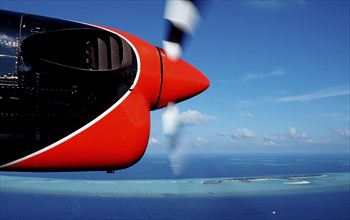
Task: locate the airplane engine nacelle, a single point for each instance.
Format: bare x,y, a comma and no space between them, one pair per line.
75,96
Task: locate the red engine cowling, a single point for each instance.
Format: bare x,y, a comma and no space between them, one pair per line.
118,136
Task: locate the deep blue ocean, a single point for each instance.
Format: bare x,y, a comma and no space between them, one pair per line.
324,204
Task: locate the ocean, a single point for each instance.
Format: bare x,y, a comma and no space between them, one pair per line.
211,186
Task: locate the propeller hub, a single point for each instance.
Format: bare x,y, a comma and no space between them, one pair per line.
180,81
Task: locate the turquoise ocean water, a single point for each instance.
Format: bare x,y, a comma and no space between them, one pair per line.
244,186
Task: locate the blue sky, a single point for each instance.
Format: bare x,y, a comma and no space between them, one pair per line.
279,70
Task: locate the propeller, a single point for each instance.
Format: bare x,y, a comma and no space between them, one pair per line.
183,17
171,120
172,127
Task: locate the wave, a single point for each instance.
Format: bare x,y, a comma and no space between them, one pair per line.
298,182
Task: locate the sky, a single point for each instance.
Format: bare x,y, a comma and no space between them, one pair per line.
279,71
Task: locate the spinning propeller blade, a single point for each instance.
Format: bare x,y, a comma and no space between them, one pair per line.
172,125
171,120
183,16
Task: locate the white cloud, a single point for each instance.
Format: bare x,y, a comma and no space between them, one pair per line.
330,115
303,136
240,133
256,76
282,92
274,4
292,132
345,133
336,116
259,76
291,138
323,93
246,103
154,140
268,140
319,94
223,133
247,115
275,73
193,117
265,3
200,141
